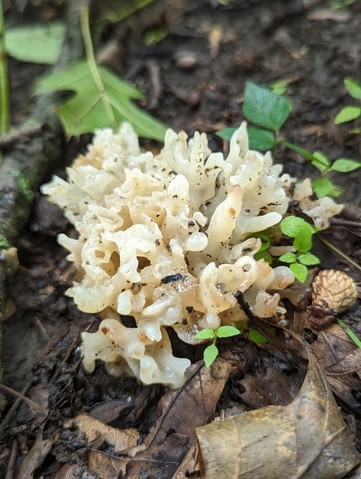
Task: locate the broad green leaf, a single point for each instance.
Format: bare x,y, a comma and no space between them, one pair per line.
345,165
226,133
288,257
260,140
89,108
263,255
37,43
298,149
300,271
303,241
320,161
210,354
308,259
324,187
263,108
207,333
353,87
226,331
348,113
292,226
257,337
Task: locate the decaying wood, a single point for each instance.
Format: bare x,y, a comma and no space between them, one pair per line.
23,166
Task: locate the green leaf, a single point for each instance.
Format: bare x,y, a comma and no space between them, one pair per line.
226,133
320,161
324,187
349,332
303,242
353,87
263,255
345,165
260,140
206,333
298,149
210,354
226,331
37,43
90,108
263,108
300,271
308,259
348,113
257,337
279,87
117,13
288,257
292,226
266,242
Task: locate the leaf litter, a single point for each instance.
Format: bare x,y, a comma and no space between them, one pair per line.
70,391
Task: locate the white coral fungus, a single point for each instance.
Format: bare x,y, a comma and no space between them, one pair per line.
163,239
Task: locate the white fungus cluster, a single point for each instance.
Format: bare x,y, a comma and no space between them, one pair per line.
163,239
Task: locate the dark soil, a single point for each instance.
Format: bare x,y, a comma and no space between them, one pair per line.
189,84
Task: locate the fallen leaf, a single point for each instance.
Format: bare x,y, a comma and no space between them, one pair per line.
91,107
106,466
306,439
181,411
96,431
189,466
340,359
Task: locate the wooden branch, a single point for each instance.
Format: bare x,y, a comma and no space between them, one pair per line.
23,167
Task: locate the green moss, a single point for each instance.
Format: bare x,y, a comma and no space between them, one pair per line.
25,186
4,243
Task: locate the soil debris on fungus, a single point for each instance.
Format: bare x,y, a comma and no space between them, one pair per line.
126,208
186,86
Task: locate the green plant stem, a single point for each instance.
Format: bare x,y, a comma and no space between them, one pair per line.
4,82
338,252
89,52
349,332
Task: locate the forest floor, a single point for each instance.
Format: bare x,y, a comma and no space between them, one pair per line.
193,79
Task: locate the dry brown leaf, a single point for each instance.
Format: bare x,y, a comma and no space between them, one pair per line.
189,466
306,439
181,411
193,404
96,431
105,466
340,359
68,471
263,388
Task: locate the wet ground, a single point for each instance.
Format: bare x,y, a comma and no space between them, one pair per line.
193,79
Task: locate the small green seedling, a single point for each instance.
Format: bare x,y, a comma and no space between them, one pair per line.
266,110
301,232
350,112
269,111
96,97
211,352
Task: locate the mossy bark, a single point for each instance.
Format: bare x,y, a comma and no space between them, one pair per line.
23,167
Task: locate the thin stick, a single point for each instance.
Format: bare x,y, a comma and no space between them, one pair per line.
21,396
339,253
89,51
